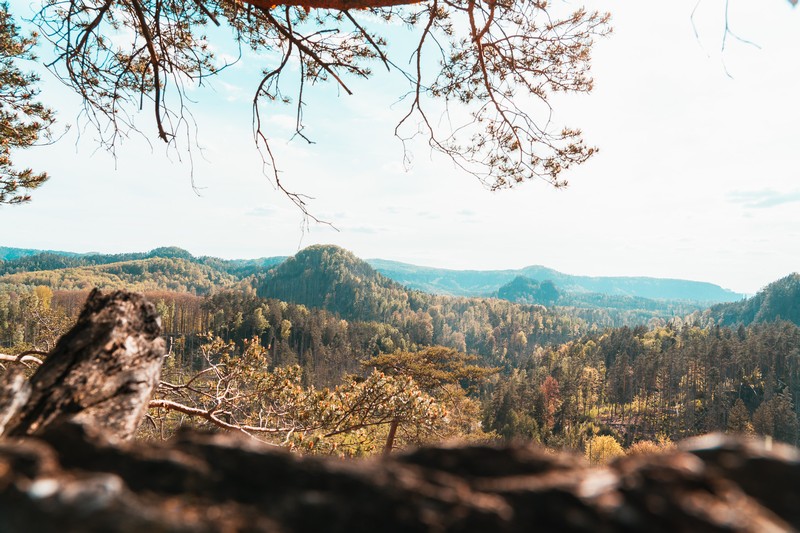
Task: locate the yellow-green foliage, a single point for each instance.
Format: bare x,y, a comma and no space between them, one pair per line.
433,367
645,447
172,274
239,392
603,449
739,419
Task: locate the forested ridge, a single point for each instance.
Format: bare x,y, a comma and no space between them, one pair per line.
583,371
27,261
139,275
779,300
446,282
624,310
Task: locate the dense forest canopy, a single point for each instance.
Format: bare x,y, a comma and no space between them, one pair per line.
324,328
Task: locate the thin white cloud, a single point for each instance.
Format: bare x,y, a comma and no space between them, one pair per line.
764,198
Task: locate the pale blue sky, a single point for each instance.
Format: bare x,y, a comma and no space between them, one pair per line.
698,176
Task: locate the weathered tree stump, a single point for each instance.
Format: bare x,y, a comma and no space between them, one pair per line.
102,373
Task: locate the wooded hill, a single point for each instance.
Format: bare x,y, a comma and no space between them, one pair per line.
779,300
140,275
431,280
331,278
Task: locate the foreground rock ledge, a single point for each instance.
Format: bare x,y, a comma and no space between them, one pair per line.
67,479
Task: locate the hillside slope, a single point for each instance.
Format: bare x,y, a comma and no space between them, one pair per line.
332,278
173,274
36,260
779,300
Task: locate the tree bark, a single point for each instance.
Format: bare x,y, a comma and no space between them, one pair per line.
387,449
14,392
331,4
102,373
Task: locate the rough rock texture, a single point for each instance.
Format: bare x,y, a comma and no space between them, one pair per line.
102,372
67,479
771,474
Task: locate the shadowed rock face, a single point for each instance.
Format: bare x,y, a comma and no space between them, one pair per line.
66,466
67,479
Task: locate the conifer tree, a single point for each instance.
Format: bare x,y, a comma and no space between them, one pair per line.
786,425
764,419
23,120
739,418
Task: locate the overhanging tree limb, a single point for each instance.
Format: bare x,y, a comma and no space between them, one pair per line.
488,66
340,5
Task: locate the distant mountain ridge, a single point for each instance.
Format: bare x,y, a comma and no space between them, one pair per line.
10,254
425,279
168,268
528,291
487,282
26,260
